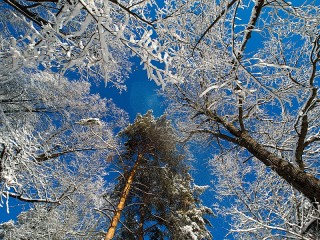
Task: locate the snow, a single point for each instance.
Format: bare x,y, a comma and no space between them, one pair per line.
90,121
189,231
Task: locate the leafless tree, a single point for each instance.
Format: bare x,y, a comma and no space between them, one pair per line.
251,78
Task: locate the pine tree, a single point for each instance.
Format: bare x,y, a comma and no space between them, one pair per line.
162,201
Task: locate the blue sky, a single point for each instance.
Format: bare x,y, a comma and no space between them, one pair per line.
141,96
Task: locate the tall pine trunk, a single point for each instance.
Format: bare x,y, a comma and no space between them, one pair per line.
123,198
141,223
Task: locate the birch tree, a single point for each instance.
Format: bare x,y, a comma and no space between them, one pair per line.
157,196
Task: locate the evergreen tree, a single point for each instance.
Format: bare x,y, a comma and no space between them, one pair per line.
162,201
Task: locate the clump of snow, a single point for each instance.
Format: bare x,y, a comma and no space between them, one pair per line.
90,121
189,231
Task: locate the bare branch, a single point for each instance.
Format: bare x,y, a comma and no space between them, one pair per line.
31,200
28,14
213,23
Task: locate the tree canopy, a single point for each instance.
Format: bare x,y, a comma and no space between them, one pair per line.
163,200
241,76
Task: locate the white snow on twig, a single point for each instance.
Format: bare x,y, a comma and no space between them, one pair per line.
89,121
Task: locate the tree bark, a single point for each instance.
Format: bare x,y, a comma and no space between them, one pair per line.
141,223
123,198
302,181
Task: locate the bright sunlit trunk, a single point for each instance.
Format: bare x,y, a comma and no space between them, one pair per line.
123,198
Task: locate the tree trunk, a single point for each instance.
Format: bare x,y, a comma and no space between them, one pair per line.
123,198
141,223
304,182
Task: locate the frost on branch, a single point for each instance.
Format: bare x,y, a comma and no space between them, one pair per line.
74,217
41,142
251,93
90,121
258,208
161,200
90,38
